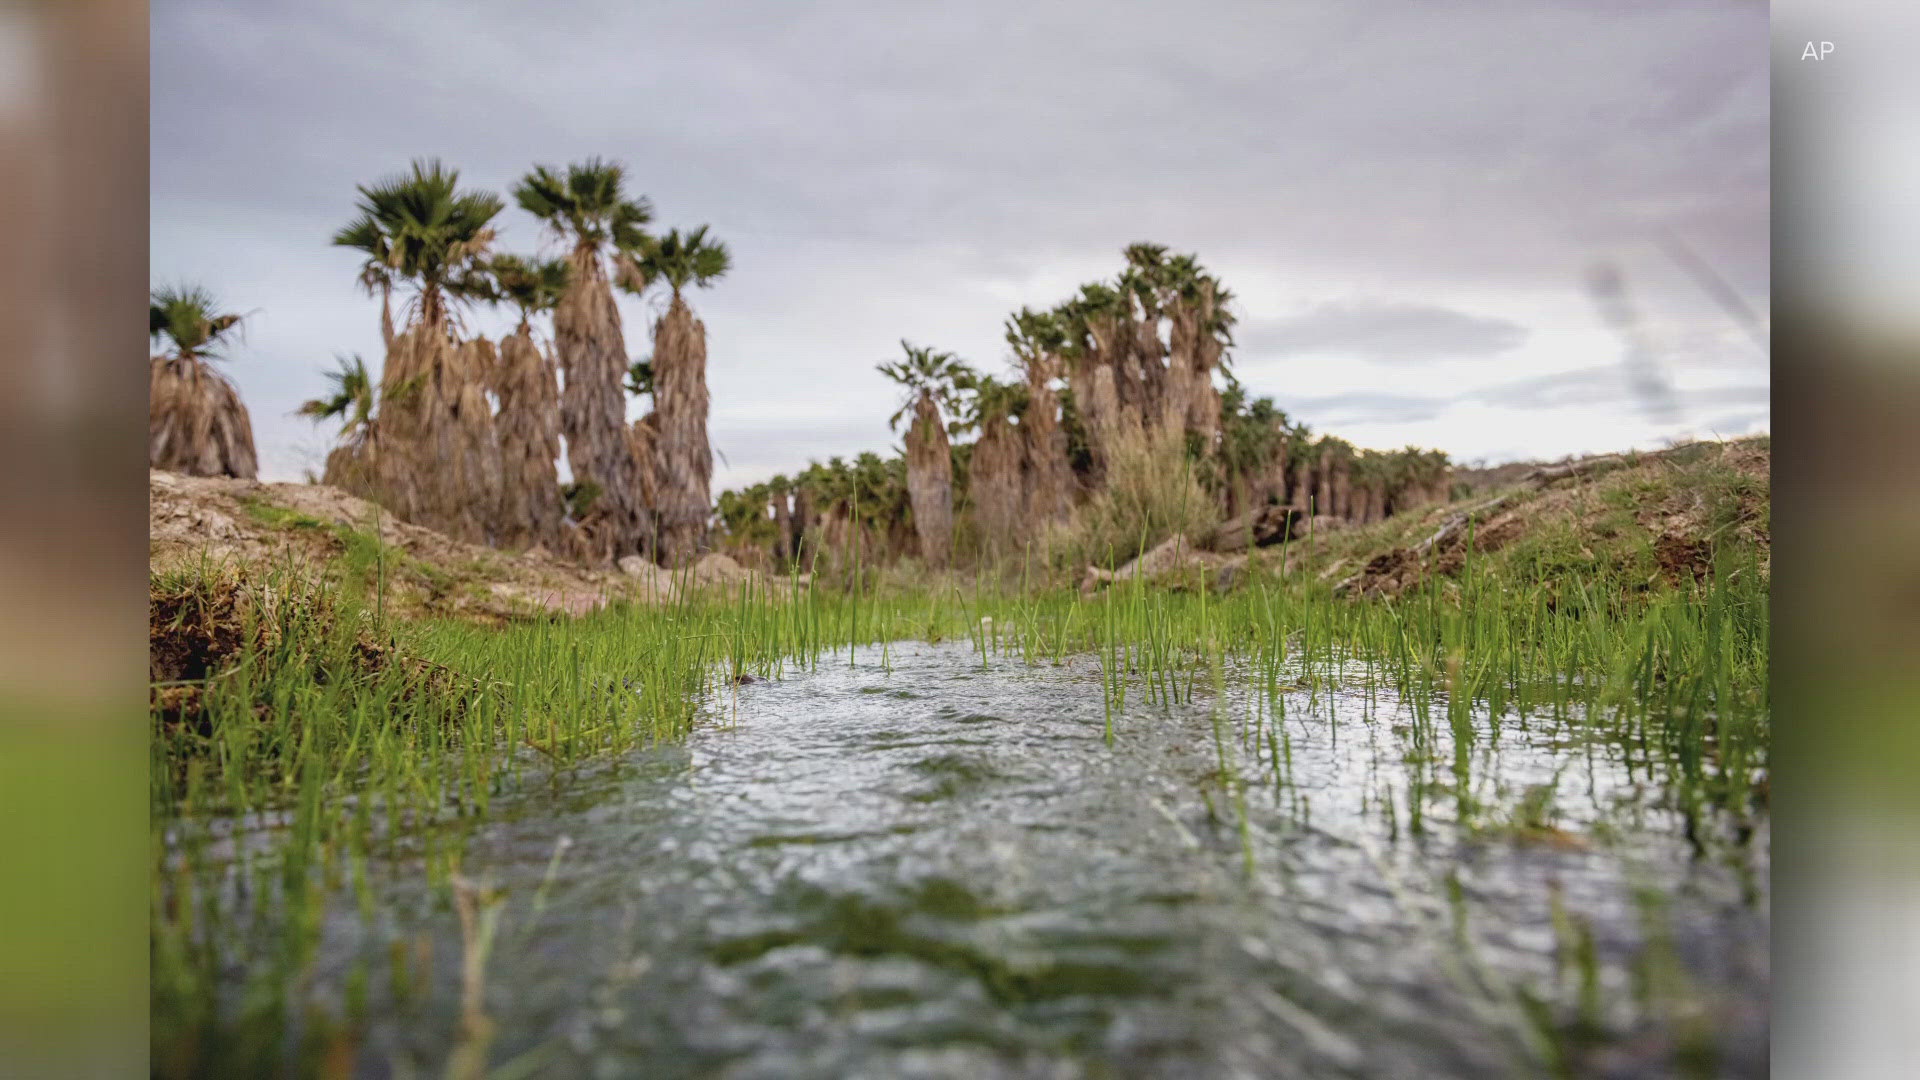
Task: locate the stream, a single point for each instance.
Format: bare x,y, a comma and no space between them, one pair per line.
924,864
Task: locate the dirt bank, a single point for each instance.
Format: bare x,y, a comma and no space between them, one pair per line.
319,531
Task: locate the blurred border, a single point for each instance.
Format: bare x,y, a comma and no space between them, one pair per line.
1846,790
73,879
73,847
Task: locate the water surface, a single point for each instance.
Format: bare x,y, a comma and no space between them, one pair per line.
944,869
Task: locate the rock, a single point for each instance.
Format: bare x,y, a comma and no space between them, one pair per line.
714,568
1264,526
637,566
1167,560
559,599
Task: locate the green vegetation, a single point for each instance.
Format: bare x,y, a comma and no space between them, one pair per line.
365,742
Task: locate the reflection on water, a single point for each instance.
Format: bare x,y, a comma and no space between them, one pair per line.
940,870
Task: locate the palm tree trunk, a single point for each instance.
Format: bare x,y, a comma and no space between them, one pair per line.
994,487
1274,484
930,482
684,461
196,423
1149,358
1102,416
1203,409
1049,476
783,538
441,468
1177,401
528,426
593,406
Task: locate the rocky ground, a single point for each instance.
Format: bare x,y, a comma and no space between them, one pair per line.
320,531
1642,519
1639,520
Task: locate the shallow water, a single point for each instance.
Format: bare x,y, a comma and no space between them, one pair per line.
941,870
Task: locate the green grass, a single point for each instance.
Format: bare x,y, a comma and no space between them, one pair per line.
363,738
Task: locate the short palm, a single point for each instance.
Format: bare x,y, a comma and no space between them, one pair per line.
188,319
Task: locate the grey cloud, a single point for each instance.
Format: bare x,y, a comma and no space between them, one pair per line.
939,153
1384,330
1361,407
1604,386
1581,387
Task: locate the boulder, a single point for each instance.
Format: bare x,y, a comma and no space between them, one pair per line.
1263,526
1171,562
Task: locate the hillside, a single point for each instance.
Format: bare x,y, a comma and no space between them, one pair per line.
322,532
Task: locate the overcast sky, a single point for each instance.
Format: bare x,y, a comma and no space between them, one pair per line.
1408,200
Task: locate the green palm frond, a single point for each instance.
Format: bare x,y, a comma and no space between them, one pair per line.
987,398
351,399
418,227
684,259
188,317
1146,257
533,285
640,377
587,203
925,371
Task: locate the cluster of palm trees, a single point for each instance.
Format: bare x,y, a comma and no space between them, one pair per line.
1264,457
464,437
1133,365
827,515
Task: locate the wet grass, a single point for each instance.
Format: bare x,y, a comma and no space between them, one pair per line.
304,744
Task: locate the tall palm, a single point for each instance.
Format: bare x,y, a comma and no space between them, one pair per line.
196,423
586,206
1202,323
994,471
419,232
779,492
683,458
931,380
1037,339
525,382
1147,284
1094,323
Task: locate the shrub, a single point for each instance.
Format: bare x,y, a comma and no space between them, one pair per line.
1151,493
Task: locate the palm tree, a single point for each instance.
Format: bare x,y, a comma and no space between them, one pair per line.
931,379
1093,323
993,474
1148,284
1254,441
1202,332
785,545
1037,339
440,463
587,207
683,459
526,384
350,464
196,423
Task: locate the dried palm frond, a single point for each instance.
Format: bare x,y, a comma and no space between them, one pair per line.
196,422
683,459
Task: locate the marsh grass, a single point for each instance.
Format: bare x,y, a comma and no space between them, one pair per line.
321,745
